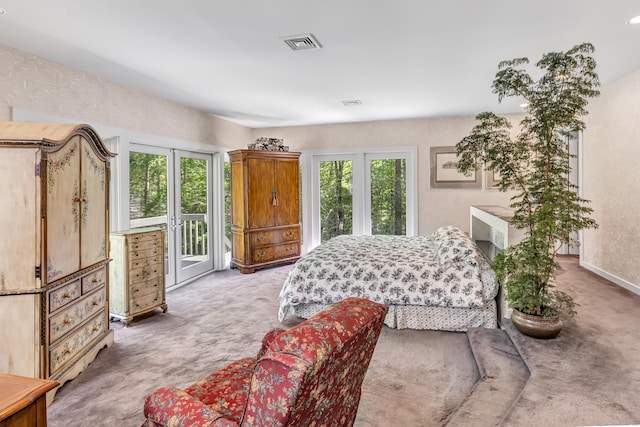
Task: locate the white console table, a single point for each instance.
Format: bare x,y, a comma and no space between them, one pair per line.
492,231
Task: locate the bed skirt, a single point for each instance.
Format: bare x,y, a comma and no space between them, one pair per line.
424,317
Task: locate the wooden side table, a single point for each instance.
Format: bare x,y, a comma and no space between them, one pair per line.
23,401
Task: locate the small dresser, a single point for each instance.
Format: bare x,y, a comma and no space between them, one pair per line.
137,273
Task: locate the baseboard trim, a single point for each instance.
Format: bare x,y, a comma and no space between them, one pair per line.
618,281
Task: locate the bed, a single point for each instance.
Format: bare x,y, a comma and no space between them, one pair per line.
440,281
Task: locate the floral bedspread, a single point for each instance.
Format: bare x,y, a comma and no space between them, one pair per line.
444,269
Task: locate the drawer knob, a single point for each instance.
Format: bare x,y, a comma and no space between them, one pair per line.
94,280
290,234
66,351
66,295
66,321
261,254
95,328
260,238
94,302
290,249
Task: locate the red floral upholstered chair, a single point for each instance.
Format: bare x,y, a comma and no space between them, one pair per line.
309,375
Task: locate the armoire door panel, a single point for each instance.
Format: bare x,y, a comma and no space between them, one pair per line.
287,184
63,215
93,213
19,219
262,196
237,187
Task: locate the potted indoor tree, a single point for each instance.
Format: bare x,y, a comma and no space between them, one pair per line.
535,166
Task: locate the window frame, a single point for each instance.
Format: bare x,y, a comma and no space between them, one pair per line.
361,188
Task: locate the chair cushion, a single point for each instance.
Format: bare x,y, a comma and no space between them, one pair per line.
172,407
226,391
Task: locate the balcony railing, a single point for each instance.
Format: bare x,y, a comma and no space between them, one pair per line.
195,239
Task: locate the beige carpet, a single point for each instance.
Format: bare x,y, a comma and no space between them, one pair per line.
416,378
588,376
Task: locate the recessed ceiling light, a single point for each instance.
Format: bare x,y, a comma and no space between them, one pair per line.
351,103
634,20
2,10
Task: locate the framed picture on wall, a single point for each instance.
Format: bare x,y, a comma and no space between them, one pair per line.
493,179
444,170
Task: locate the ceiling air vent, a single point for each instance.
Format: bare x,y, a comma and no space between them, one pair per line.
302,42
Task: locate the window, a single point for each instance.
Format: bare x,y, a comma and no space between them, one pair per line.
366,192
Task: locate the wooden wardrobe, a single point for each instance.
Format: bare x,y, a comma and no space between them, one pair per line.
54,251
265,208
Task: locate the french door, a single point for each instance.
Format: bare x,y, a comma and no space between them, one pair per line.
362,193
172,189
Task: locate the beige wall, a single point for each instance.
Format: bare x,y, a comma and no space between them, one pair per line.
611,152
436,206
35,84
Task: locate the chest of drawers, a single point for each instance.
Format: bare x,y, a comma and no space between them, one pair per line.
137,273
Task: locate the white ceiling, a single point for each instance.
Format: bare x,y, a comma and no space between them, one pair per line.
400,58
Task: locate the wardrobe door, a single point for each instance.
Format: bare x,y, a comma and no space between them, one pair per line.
63,207
287,176
262,195
93,214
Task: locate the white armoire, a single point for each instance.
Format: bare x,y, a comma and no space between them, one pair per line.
54,249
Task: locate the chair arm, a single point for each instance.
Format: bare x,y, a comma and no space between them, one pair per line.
266,341
172,407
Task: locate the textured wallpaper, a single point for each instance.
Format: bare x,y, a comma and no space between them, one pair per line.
611,181
35,84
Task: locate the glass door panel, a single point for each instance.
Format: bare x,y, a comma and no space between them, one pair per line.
149,197
192,219
388,196
336,200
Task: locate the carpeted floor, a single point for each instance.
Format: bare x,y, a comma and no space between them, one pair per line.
589,375
415,377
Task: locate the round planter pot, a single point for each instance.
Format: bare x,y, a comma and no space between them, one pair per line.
536,326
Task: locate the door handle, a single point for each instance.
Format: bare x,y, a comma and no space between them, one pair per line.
176,224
